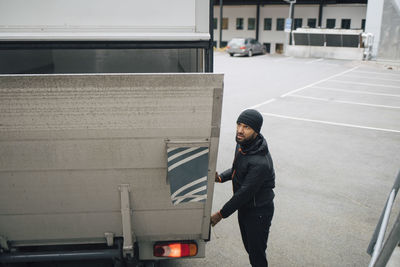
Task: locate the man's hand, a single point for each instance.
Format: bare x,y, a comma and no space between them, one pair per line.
215,218
217,178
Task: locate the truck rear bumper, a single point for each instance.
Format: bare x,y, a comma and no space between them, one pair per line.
59,256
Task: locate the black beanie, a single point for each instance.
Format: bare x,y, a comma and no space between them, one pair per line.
252,118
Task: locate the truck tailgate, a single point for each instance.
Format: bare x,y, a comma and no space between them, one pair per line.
67,143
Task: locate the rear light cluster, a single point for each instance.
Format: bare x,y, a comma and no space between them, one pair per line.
243,47
228,47
175,249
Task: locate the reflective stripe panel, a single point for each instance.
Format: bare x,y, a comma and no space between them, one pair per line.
187,173
170,168
181,153
194,183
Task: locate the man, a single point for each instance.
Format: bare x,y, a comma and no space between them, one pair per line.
253,179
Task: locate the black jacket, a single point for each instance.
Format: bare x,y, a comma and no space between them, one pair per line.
253,178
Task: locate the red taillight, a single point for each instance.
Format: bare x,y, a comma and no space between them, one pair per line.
243,47
228,46
175,250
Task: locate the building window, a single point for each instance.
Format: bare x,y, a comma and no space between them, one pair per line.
225,23
267,24
280,24
363,24
215,23
312,23
346,23
251,24
298,23
239,23
330,23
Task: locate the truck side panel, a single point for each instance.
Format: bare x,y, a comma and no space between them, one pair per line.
104,20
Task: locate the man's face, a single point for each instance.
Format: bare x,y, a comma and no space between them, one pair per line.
244,133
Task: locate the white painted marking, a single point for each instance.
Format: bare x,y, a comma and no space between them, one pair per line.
315,60
190,194
172,149
193,200
373,78
202,179
366,84
375,72
344,102
332,64
179,163
355,91
263,103
331,123
198,199
283,59
320,81
182,153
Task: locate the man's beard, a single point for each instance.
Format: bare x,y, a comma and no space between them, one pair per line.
246,140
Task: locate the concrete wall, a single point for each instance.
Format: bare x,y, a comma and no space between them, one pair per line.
374,21
233,12
354,12
273,36
389,45
347,53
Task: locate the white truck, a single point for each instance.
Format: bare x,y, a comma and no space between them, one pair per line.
109,129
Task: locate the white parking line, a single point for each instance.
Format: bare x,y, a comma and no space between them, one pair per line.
355,91
263,103
331,123
302,88
366,84
283,59
374,72
315,60
344,102
320,81
332,64
373,78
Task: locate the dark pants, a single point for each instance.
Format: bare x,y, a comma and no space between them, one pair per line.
254,227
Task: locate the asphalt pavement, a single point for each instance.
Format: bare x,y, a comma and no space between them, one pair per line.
333,129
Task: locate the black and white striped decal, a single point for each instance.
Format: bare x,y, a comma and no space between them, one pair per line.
187,173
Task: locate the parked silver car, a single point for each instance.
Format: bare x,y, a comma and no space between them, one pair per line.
245,46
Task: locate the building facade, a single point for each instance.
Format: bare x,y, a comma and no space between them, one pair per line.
241,21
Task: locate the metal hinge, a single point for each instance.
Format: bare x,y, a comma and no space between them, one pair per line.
4,243
126,221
